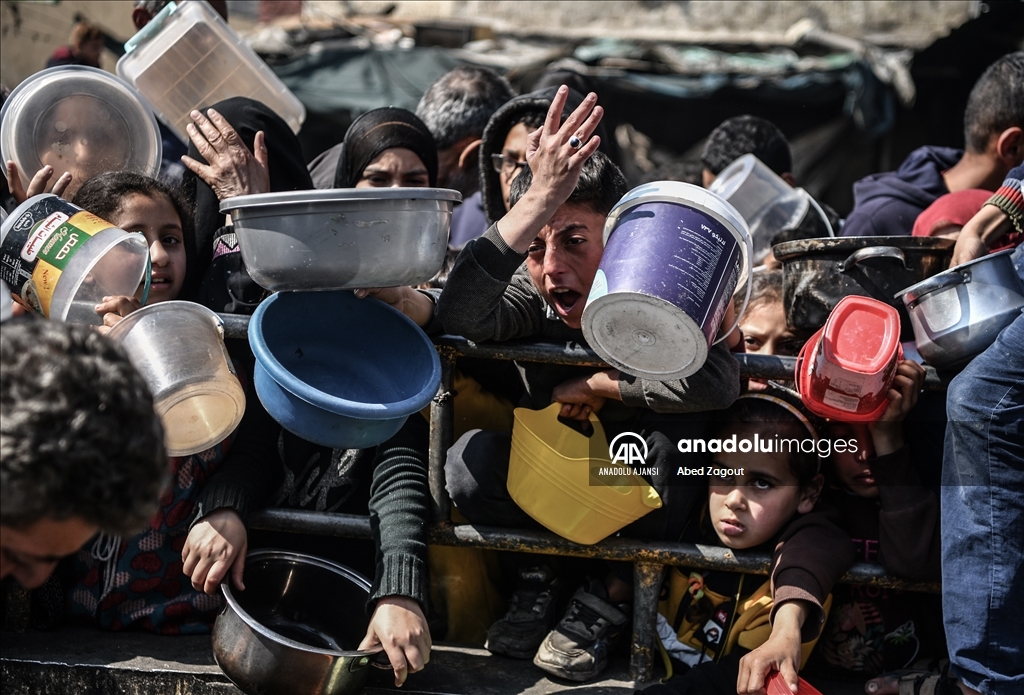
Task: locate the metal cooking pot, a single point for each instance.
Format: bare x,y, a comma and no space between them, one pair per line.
817,273
959,313
294,629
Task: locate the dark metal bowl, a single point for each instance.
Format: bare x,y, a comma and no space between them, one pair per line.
295,628
817,273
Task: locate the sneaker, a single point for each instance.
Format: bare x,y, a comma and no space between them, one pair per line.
577,649
530,615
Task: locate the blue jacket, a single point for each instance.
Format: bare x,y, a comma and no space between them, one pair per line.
887,204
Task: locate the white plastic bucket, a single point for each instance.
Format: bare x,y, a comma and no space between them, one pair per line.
674,253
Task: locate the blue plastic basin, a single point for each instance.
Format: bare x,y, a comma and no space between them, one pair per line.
340,371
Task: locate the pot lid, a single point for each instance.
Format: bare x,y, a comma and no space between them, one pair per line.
82,120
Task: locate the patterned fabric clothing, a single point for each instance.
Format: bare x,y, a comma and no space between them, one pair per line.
1010,200
138,582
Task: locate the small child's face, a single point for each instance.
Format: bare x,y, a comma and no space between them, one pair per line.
750,508
765,331
853,467
157,220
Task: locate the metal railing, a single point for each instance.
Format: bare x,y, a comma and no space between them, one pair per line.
649,559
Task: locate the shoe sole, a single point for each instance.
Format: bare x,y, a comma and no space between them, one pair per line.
565,675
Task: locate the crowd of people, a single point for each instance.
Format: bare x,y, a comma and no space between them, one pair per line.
145,541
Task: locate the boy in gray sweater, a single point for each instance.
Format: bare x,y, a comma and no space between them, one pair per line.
529,276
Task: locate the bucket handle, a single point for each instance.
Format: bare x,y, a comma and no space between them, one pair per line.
872,252
749,243
147,283
821,213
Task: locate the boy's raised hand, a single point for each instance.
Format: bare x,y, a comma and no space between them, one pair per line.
555,166
37,185
554,162
887,431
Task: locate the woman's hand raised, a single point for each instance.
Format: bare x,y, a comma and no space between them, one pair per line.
232,169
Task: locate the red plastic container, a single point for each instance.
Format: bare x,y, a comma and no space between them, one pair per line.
775,685
845,370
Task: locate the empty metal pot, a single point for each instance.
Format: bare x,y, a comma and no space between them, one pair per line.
295,628
817,273
959,313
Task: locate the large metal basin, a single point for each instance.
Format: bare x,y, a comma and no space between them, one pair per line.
343,239
295,628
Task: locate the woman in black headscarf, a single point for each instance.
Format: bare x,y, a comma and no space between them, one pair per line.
383,148
226,166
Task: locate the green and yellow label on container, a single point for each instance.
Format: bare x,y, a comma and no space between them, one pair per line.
40,238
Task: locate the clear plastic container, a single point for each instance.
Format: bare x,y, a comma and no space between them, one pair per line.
61,260
763,198
187,57
81,120
6,303
178,348
111,264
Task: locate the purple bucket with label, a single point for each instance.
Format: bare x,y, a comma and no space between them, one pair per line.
674,253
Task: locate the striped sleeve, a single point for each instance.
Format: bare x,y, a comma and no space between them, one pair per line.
1009,198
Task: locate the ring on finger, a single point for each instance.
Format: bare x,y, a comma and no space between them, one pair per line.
575,142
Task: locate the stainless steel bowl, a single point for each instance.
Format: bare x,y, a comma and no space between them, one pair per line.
959,313
295,628
343,239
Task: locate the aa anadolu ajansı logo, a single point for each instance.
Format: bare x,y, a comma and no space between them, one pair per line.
628,449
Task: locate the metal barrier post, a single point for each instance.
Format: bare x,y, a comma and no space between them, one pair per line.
442,422
646,586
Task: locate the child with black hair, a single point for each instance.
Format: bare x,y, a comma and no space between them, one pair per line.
740,135
756,500
81,449
893,519
763,322
888,204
